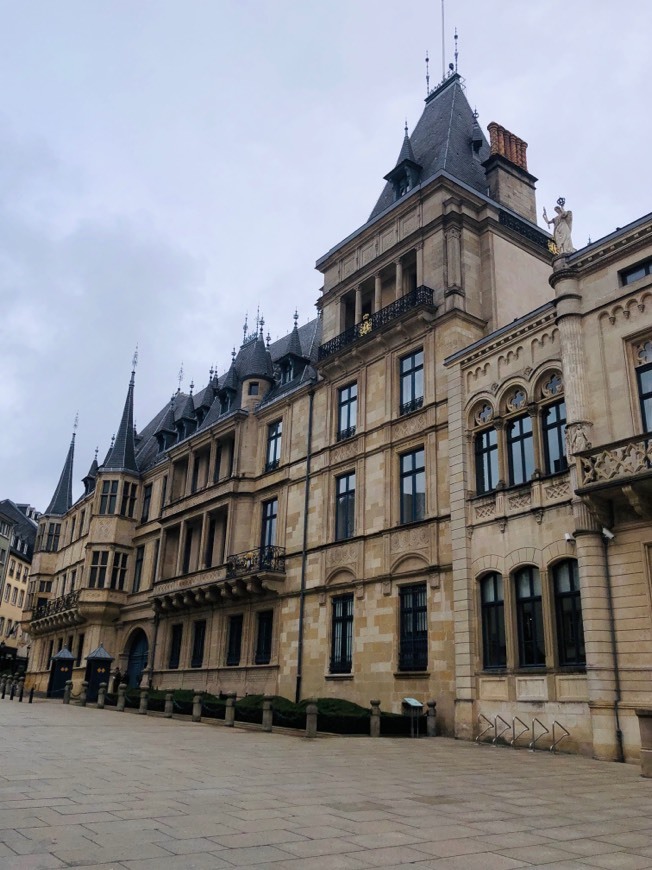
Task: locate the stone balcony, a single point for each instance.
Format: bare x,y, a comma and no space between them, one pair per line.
419,300
616,478
76,608
253,572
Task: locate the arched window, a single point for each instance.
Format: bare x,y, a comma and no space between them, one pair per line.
529,617
553,424
492,598
486,451
520,445
568,610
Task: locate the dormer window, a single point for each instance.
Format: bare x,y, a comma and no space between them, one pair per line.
287,372
254,387
225,403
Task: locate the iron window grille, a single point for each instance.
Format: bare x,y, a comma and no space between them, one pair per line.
529,618
568,612
553,425
413,486
263,654
411,377
234,644
520,450
274,435
345,506
347,411
413,652
342,635
492,597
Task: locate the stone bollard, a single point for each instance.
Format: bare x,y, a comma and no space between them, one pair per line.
311,720
196,708
83,694
268,714
67,691
645,727
21,689
122,698
144,696
374,722
229,713
101,696
431,723
169,705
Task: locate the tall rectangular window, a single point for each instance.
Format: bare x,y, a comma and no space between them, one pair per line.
486,461
553,424
520,450
568,610
99,563
147,501
268,532
494,647
54,531
138,568
187,550
263,653
529,618
128,504
234,644
119,571
157,548
72,528
108,496
218,462
273,455
164,490
644,380
342,635
413,650
413,486
345,506
411,372
73,579
80,649
198,640
194,481
176,636
347,411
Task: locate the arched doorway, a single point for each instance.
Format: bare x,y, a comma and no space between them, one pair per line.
138,654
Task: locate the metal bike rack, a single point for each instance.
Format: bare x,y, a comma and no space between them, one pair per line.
556,742
515,736
490,725
533,743
498,733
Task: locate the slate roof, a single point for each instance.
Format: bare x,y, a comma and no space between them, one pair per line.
122,456
442,140
24,527
99,654
62,498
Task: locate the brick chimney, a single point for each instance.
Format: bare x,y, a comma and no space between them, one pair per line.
509,181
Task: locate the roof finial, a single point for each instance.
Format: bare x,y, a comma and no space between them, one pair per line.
455,38
443,43
295,317
210,373
180,377
233,355
261,323
192,387
245,327
75,425
406,127
268,340
97,450
134,361
257,316
112,440
427,74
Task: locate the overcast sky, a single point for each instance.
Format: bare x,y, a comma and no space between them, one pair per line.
166,166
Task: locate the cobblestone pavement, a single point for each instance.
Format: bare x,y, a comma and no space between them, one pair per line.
81,787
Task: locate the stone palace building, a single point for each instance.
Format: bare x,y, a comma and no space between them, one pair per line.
440,488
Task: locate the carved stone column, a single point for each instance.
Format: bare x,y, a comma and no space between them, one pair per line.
183,531
420,264
453,258
378,292
399,279
358,304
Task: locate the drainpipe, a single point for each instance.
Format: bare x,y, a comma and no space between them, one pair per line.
614,650
157,619
304,551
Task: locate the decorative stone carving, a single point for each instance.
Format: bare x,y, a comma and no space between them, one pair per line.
577,437
453,258
644,353
346,555
407,427
558,490
483,414
409,539
387,587
617,462
554,386
516,401
521,500
485,511
345,451
562,225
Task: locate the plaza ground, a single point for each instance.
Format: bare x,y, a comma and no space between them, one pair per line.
80,787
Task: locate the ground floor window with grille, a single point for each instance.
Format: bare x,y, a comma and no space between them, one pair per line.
529,617
568,612
198,640
175,646
413,650
342,635
494,647
234,644
263,654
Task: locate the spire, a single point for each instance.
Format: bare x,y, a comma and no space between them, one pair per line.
294,343
62,498
89,480
122,456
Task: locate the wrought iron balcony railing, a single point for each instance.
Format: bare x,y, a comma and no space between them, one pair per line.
619,460
421,296
57,605
343,434
271,465
256,561
411,406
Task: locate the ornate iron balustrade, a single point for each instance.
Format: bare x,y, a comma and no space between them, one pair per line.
272,465
255,561
525,230
421,296
618,461
57,605
346,433
411,406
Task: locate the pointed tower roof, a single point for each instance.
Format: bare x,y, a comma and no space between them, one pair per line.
167,423
406,152
294,343
444,139
255,361
122,456
89,480
62,498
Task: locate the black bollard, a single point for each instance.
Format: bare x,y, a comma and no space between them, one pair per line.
31,695
13,689
20,692
4,689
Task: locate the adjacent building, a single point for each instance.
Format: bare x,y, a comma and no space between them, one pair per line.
437,488
18,525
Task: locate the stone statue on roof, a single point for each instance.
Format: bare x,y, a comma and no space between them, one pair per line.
562,225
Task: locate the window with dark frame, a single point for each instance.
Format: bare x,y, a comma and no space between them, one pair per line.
492,603
520,450
345,506
342,635
568,612
413,649
411,377
138,568
147,500
187,550
265,621
157,548
54,531
347,411
164,488
176,636
553,426
413,486
80,649
119,571
644,382
273,454
194,480
234,644
108,496
486,461
99,563
253,388
268,530
198,640
218,463
128,504
635,273
529,618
